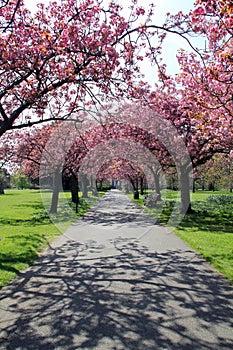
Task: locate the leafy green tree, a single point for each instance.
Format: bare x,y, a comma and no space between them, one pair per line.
217,173
20,181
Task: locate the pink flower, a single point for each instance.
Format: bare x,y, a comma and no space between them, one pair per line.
140,11
199,10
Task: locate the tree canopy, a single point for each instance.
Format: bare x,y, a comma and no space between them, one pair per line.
73,56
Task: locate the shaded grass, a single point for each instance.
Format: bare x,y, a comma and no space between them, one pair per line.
26,229
208,229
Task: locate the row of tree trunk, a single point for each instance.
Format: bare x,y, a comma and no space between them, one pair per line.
186,185
75,187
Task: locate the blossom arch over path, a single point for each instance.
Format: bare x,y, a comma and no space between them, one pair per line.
122,159
158,136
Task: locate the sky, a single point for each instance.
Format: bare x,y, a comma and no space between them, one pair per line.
172,44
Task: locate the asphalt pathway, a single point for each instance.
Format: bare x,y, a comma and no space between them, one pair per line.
116,280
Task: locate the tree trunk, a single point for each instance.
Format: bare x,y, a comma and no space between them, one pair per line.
54,204
185,190
1,188
157,186
56,189
74,189
84,186
194,186
92,181
135,189
142,185
99,185
211,187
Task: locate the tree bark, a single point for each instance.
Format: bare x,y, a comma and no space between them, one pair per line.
84,186
1,188
135,188
56,189
185,190
74,189
142,185
99,185
157,186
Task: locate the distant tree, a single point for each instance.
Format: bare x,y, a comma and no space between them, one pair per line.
217,173
121,169
20,181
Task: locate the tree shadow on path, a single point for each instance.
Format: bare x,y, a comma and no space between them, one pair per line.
135,299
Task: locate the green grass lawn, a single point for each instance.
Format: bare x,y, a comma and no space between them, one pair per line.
208,229
25,230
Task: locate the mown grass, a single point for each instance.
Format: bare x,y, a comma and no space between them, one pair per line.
26,229
208,229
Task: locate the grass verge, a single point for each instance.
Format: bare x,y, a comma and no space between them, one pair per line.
26,229
208,229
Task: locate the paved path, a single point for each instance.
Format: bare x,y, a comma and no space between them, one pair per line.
116,281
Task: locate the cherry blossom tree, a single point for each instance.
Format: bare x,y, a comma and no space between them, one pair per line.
121,169
204,133
56,72
58,149
198,100
69,55
152,132
40,156
7,22
64,55
7,155
200,145
155,117
206,77
119,158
